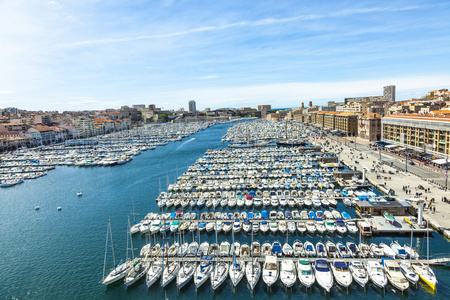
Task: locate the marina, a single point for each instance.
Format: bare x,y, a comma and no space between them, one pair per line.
165,183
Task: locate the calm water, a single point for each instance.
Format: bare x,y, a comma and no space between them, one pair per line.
48,254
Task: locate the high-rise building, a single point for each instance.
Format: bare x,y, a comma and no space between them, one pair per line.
389,93
192,107
310,103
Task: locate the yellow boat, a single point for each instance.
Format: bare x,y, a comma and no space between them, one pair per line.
426,274
408,221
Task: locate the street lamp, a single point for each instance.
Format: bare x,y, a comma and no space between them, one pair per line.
406,161
446,170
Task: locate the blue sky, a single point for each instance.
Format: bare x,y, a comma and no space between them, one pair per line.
91,54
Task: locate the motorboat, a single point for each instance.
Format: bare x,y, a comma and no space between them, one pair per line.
388,252
282,227
399,250
273,226
351,227
365,250
340,227
245,250
330,226
183,249
237,270
154,273
218,226
341,273
291,227
411,252
287,250
202,273
213,249
323,274
266,249
192,249
185,273
358,272
247,226
320,249
264,226
376,273
170,272
252,273
309,249
219,274
256,249
299,251
343,250
270,270
408,272
426,274
331,249
395,275
320,226
288,274
377,250
305,273
276,248
353,249
203,249
311,227
227,226
255,227
301,228
224,249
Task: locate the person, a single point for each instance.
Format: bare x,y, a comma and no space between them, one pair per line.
434,209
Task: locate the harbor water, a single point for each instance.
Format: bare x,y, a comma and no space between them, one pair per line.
51,254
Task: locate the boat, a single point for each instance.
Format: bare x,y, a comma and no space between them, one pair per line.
388,217
202,273
309,249
79,194
59,208
276,248
351,227
354,250
301,228
426,274
224,249
358,272
203,249
305,273
266,249
185,273
376,273
408,272
321,250
137,270
331,249
192,249
340,227
412,253
270,270
323,274
219,274
170,272
388,252
288,274
237,270
394,274
264,226
252,273
287,250
399,250
311,227
365,250
154,273
343,250
299,251
376,250
341,273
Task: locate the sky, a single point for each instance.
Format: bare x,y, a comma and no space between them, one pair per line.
92,54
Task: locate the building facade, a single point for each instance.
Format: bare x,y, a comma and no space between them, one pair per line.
389,93
192,107
369,127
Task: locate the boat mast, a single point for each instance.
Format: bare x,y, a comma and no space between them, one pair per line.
106,248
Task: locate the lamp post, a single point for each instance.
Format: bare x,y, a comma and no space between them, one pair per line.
446,170
406,161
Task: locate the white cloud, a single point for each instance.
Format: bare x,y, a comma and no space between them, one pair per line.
209,77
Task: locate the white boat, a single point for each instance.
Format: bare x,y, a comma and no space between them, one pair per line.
330,226
79,194
203,249
376,250
408,272
264,226
287,250
426,274
299,251
237,270
202,273
321,250
219,274
192,249
311,227
376,273
310,251
170,272
341,273
273,226
365,250
288,274
252,273
301,228
343,250
224,249
388,252
305,273
411,252
399,250
395,275
324,276
138,270
331,249
270,270
351,227
353,249
321,226
358,272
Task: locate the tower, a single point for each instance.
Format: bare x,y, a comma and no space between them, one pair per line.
192,107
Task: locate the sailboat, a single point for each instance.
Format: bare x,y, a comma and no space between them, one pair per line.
236,268
120,270
139,266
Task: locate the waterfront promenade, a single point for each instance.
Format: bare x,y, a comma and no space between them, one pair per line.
351,154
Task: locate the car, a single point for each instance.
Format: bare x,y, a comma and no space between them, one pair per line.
351,142
411,163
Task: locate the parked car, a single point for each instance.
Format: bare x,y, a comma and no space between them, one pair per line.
411,163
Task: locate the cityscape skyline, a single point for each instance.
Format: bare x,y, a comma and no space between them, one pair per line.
230,55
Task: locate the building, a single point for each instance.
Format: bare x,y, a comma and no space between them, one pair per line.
86,126
192,107
138,106
344,122
369,127
264,106
43,119
389,93
423,134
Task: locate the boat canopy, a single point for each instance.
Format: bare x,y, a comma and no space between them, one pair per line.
264,214
321,265
340,264
340,223
250,215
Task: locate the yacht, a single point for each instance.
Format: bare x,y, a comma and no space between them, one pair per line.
185,274
408,272
170,272
219,274
270,270
399,250
376,273
323,274
388,252
395,275
351,227
288,274
341,273
426,274
138,270
359,273
202,273
305,273
252,272
237,270
117,273
153,273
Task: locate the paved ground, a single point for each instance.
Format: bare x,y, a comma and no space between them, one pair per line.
348,154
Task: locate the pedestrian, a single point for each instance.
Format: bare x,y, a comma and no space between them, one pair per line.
434,209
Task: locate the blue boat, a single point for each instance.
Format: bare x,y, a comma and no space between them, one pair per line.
264,214
276,248
250,215
312,215
288,214
345,215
